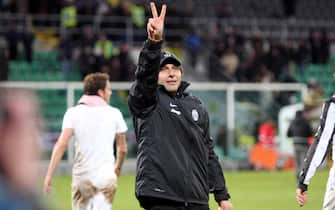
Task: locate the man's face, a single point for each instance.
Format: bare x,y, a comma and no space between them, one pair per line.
107,92
170,77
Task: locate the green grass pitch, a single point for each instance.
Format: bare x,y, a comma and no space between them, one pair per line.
250,190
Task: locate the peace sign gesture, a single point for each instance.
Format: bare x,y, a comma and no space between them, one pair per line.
155,24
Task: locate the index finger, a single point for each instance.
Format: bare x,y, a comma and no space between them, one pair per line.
153,10
163,12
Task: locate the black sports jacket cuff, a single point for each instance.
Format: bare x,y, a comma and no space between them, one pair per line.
221,195
303,187
150,45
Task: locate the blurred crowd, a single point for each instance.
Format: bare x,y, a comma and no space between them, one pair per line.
99,43
235,58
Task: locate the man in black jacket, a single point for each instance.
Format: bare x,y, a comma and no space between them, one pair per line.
176,164
300,130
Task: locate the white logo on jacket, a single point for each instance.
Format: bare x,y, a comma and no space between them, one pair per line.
175,111
195,115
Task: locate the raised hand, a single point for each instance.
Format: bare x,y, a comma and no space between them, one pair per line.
155,26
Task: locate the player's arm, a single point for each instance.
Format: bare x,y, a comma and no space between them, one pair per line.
142,94
121,148
217,183
317,151
57,154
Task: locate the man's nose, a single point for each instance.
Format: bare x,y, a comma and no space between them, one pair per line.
171,72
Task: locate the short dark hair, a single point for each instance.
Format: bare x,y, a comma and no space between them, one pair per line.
95,81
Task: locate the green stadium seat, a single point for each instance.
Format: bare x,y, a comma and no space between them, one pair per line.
45,66
322,73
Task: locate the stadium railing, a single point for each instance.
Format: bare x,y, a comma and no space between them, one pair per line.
234,108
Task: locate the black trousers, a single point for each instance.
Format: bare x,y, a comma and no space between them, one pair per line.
151,203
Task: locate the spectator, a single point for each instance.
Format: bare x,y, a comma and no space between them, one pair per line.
267,134
66,48
313,99
275,60
320,46
127,65
224,9
300,130
289,8
68,15
87,60
105,48
230,63
27,38
313,102
12,39
193,46
263,155
4,59
325,47
106,53
216,69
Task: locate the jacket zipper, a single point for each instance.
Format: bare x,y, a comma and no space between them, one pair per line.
187,175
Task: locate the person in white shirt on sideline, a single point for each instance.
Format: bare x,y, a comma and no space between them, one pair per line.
95,125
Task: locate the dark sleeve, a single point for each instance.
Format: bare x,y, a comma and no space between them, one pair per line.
142,94
289,131
217,183
310,130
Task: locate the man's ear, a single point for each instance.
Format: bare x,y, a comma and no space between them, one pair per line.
100,93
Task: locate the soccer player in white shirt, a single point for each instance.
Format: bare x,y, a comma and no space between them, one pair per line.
95,125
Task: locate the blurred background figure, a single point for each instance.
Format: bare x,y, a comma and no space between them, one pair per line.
313,102
300,130
263,155
267,133
19,150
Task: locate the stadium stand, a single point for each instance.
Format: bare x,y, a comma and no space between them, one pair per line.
45,66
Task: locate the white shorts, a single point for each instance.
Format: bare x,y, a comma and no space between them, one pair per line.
87,196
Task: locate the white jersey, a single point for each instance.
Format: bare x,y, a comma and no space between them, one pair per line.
94,130
318,150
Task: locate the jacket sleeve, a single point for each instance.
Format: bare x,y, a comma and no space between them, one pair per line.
289,131
142,94
318,150
217,183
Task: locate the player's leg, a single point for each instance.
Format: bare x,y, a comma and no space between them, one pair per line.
329,199
100,202
82,193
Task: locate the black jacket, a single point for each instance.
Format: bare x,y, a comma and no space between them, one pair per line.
175,159
300,130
